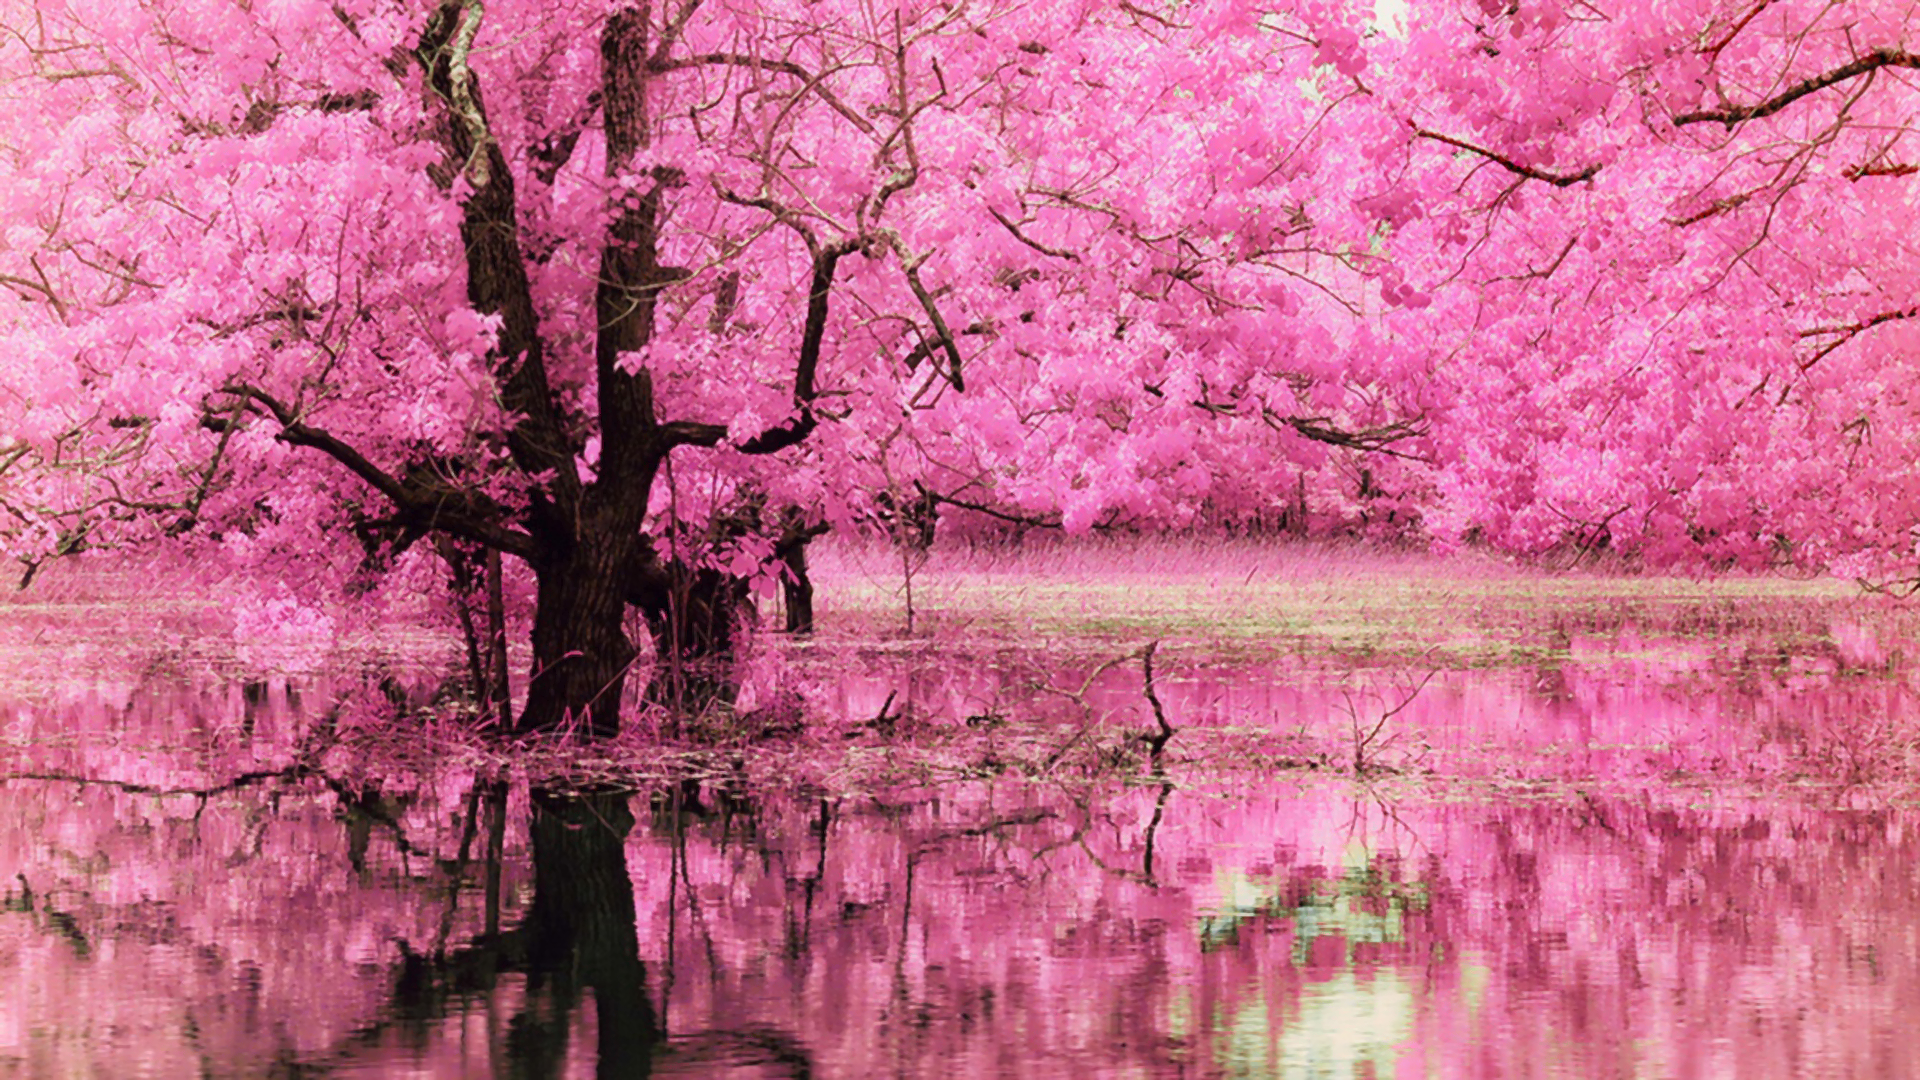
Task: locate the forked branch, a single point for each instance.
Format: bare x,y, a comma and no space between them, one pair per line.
806,366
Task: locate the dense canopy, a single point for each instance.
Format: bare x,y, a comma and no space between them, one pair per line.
643,294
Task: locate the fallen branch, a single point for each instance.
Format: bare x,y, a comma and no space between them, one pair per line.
1157,742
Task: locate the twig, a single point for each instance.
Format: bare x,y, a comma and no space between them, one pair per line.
1156,742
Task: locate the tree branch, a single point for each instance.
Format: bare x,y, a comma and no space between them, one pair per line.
555,149
806,365
1040,522
630,275
1846,333
1735,114
1007,223
1373,440
1507,163
943,337
542,441
815,83
463,513
461,94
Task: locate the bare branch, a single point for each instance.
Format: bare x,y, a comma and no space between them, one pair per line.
1507,163
1712,209
942,335
1727,38
1859,172
1011,518
1735,114
1373,440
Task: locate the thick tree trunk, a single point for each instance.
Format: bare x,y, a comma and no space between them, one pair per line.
581,652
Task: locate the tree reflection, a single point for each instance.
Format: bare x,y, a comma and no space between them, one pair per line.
580,937
577,949
576,944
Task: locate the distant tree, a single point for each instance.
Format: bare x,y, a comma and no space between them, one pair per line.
1673,307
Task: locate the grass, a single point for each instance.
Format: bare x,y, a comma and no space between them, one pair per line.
1246,600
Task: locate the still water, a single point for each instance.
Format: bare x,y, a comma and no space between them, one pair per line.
1290,926
1649,850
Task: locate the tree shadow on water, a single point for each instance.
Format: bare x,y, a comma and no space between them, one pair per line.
576,948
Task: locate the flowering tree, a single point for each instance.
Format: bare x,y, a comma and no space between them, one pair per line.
642,294
285,274
1672,308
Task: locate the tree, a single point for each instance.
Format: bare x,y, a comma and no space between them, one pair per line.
1671,306
1624,276
640,294
307,282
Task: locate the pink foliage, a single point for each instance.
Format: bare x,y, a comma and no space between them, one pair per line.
1492,273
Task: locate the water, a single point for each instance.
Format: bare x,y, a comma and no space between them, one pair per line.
1316,928
1288,926
1650,846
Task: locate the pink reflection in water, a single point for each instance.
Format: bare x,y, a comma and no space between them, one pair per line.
1619,703
1315,930
189,884
1286,928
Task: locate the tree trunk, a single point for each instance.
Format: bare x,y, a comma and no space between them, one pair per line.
581,652
797,589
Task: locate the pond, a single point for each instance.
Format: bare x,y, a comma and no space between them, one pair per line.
1612,828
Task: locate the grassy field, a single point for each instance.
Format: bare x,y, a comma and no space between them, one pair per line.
1247,600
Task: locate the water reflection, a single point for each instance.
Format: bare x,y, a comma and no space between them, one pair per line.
1657,850
1288,928
1601,696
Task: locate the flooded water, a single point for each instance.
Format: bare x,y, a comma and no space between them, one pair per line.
1291,928
1648,848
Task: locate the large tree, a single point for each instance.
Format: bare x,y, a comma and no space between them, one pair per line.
630,292
292,278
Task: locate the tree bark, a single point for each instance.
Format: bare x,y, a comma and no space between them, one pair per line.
581,652
797,589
